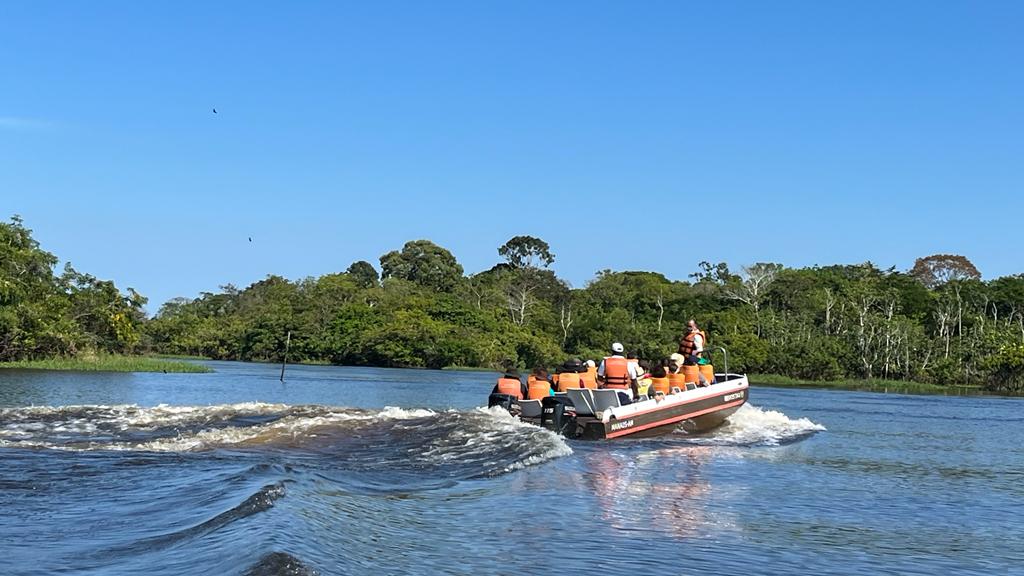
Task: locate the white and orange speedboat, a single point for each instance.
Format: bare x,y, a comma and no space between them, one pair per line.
595,414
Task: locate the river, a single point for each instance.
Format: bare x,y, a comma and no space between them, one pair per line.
359,470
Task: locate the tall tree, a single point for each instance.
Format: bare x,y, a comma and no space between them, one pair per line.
935,270
423,262
526,252
525,256
753,287
363,273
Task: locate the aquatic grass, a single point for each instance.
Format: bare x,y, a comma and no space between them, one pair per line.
864,385
163,356
469,369
108,363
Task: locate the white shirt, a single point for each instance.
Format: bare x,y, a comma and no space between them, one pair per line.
633,369
698,343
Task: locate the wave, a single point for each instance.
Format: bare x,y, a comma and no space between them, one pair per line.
280,564
754,426
454,444
262,500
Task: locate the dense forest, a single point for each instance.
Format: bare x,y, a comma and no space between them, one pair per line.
43,314
937,322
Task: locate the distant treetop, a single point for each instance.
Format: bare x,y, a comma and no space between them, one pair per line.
938,269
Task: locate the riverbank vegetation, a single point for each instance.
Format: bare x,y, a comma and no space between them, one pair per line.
108,363
863,385
937,323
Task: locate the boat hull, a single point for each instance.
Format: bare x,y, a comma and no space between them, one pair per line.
697,410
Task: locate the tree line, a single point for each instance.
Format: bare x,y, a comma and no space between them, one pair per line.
937,322
44,314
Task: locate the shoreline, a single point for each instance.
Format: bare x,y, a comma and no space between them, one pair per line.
170,364
108,363
870,385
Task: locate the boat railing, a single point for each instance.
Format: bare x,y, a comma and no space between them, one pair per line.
725,358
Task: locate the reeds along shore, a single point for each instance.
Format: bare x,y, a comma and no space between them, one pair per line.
109,363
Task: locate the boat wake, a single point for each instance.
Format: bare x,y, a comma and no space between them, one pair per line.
753,426
451,443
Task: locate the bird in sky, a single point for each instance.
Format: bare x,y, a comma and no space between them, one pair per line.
214,110
250,238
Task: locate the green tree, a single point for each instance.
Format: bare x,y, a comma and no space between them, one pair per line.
423,262
526,252
364,274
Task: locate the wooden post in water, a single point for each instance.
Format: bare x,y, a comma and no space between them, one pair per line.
287,344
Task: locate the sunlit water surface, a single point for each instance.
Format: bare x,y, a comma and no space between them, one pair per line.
352,470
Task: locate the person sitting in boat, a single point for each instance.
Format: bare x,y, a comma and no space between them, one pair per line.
616,373
569,375
659,379
691,346
643,381
632,360
538,384
589,374
509,383
674,370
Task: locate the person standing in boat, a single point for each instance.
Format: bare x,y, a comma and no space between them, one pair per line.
691,346
617,373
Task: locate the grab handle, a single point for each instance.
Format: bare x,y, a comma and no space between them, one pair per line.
725,355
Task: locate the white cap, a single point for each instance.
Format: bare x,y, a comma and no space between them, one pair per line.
617,348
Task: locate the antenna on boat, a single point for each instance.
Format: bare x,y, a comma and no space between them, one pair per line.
284,360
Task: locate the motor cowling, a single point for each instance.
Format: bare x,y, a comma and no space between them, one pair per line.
558,415
506,401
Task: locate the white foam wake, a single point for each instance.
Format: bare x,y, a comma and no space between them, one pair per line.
103,427
751,425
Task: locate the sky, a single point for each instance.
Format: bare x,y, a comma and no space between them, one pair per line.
628,135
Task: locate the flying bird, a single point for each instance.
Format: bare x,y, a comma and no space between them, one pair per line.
214,110
250,238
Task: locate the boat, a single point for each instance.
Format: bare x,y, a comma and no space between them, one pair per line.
595,414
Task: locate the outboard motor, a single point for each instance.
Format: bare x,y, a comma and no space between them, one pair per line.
506,401
554,415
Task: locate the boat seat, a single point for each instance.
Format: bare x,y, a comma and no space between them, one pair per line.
589,401
530,408
605,399
582,400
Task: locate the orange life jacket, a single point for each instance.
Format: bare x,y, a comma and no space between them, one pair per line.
677,381
661,385
590,377
568,380
510,386
708,371
691,373
687,346
616,372
537,388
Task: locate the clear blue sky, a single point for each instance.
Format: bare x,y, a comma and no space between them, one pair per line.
629,135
